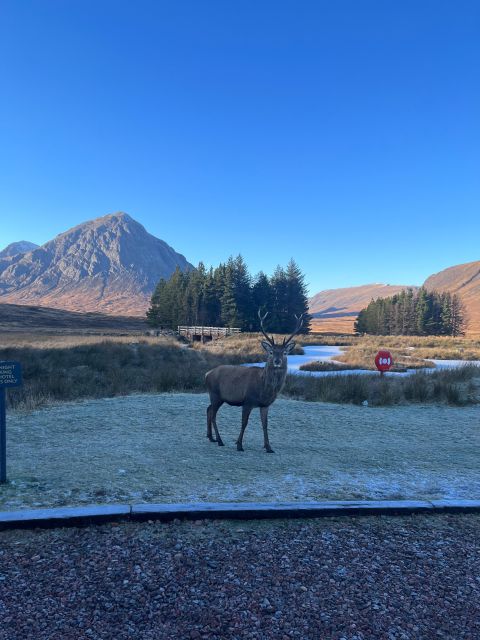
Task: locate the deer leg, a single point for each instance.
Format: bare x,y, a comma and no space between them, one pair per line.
264,416
215,407
209,424
246,410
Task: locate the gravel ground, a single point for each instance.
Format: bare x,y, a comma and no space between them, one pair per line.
152,448
389,578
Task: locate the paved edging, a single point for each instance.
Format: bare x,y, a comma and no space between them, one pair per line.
96,514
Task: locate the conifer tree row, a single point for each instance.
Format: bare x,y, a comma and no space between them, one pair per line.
228,296
413,313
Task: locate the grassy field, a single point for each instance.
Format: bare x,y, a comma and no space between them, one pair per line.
88,367
152,448
59,368
25,318
410,350
334,326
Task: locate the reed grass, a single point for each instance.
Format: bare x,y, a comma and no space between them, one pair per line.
458,387
319,365
106,369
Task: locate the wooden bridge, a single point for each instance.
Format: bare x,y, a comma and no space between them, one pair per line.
206,334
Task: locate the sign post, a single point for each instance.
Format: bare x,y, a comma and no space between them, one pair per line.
383,361
10,376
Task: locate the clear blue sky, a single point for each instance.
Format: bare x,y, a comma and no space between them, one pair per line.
343,133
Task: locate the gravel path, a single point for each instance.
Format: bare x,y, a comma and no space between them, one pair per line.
369,578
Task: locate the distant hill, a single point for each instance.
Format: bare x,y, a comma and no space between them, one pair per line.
349,301
335,310
17,247
463,279
109,265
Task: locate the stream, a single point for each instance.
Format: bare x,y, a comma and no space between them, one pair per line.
327,353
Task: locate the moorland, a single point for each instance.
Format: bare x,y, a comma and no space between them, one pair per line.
64,367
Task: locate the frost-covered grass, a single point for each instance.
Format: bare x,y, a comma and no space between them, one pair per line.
152,448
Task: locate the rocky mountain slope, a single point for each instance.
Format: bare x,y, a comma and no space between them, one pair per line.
463,279
110,265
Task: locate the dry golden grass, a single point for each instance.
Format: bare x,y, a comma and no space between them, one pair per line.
102,368
410,352
363,357
61,367
242,347
333,325
59,340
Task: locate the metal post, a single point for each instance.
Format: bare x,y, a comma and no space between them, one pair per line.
3,438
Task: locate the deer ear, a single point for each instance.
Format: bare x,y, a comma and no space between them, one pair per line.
267,346
290,347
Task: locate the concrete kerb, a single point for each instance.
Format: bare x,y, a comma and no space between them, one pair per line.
98,514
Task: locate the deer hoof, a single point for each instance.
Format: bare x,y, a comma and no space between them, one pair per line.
270,450
239,447
220,443
211,439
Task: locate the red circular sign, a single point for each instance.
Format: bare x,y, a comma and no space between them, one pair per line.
383,360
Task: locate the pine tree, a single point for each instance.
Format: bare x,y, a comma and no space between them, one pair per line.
296,297
225,296
211,300
446,314
279,322
230,314
409,313
361,324
458,316
194,296
262,298
243,294
155,314
421,312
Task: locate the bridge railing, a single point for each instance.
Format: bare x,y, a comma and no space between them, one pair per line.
212,332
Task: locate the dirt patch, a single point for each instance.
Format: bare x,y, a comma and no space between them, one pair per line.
152,448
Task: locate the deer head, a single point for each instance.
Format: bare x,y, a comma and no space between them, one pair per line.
277,353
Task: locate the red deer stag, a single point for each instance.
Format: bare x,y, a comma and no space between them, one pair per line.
249,387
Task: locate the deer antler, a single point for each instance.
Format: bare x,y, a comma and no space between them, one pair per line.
297,329
270,340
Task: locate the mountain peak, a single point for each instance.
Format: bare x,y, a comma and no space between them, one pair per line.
110,264
13,249
117,216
